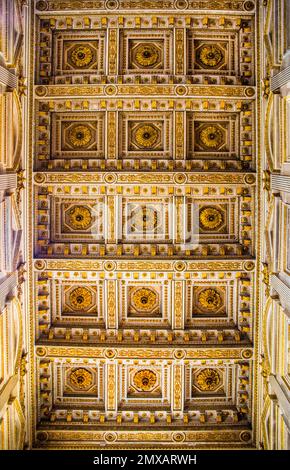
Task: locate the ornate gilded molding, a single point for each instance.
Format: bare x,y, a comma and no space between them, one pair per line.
142,352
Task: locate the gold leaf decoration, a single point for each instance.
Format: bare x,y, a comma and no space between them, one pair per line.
210,299
211,137
80,136
210,55
146,55
145,380
144,299
82,56
146,136
145,219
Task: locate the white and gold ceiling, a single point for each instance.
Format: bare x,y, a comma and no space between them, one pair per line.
143,194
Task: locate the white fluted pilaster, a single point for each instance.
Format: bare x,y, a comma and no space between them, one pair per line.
280,183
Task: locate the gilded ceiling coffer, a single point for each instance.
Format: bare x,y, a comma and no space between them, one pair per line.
144,191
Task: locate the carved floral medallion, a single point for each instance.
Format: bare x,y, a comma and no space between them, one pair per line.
82,56
144,299
210,218
210,55
80,136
